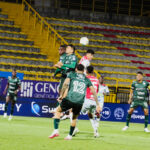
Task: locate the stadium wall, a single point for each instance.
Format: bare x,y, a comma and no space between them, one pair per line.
38,99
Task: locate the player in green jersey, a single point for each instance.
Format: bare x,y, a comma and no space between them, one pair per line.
12,88
139,96
72,97
62,54
68,64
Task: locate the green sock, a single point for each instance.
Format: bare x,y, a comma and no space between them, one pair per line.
146,121
56,123
6,107
71,130
128,119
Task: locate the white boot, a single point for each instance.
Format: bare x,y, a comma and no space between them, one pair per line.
10,117
5,115
146,130
125,128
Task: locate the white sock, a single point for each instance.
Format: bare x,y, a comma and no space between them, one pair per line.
56,130
93,124
71,115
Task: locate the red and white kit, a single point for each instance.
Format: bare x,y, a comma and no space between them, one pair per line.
89,103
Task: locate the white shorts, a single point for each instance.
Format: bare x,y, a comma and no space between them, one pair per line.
89,106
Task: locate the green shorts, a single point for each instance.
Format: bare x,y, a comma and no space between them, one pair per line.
61,82
143,104
12,96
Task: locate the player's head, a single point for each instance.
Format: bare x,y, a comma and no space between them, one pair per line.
14,73
80,68
101,79
90,70
139,76
70,49
89,54
62,49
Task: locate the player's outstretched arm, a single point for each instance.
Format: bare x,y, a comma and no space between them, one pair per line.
130,96
98,109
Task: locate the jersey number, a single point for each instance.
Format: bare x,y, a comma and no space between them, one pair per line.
79,87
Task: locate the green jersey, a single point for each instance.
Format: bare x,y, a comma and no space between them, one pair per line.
77,87
61,59
69,64
140,90
13,85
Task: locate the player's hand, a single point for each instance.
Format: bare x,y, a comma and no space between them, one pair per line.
4,92
98,109
149,102
16,92
60,63
59,99
129,101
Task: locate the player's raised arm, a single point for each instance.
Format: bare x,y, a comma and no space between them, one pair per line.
95,97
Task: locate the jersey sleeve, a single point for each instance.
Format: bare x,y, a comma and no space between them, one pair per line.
133,85
18,82
70,75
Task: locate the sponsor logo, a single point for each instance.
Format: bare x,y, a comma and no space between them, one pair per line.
35,108
106,113
119,113
134,116
2,107
26,89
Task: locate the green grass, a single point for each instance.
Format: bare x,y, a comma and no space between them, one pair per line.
25,133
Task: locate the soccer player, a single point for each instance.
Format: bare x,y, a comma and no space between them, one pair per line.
62,54
89,103
85,60
138,97
72,97
68,64
12,88
102,91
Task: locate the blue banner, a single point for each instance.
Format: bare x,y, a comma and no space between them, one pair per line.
35,89
43,108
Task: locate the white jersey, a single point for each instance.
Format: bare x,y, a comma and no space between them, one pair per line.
85,62
103,89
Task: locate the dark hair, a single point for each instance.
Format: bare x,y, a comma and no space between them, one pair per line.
90,69
73,47
80,67
90,51
139,72
63,46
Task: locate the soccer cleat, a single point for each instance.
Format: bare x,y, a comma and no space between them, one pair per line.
53,135
76,130
5,115
69,137
146,130
125,128
96,134
10,118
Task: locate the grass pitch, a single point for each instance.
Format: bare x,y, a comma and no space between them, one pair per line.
26,133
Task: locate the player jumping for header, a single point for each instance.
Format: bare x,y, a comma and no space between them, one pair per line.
72,97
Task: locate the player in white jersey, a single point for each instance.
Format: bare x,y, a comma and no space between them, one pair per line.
89,105
102,91
85,60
